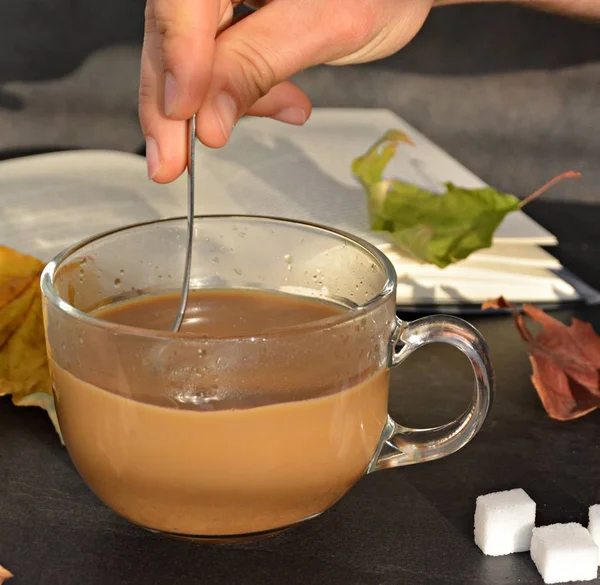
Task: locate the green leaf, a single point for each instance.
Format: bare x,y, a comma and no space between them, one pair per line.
443,229
369,167
431,227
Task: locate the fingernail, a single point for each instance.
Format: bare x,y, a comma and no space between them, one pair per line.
152,157
171,94
295,116
226,111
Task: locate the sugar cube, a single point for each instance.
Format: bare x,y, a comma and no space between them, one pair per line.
503,522
564,552
594,523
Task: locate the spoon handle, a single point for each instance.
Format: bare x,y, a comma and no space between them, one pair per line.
185,288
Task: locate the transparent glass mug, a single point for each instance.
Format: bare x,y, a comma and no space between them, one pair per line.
138,428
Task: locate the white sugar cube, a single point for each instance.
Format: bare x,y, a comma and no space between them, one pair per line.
564,552
594,523
503,522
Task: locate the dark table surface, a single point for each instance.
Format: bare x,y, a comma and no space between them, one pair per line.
409,525
405,526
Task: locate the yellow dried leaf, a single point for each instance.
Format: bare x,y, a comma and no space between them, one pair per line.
24,371
16,271
12,314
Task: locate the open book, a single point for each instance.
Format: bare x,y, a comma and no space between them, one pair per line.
50,201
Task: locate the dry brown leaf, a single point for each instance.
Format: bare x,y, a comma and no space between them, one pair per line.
24,369
16,270
565,361
12,314
4,574
499,303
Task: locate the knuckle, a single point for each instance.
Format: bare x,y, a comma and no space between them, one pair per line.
146,101
356,22
256,68
169,22
165,12
149,18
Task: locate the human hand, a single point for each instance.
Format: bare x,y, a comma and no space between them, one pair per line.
195,61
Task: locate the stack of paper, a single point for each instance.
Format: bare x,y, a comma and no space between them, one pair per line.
304,173
51,201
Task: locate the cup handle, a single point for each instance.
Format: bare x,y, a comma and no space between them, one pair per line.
401,445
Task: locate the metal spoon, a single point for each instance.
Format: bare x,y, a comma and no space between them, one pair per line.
185,287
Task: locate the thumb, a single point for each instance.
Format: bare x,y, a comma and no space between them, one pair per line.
287,36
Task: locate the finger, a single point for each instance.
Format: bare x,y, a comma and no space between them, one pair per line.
226,19
276,42
242,73
285,102
187,30
229,16
165,138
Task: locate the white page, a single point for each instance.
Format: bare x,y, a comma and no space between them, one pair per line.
517,254
51,201
420,291
304,172
269,168
48,202
474,281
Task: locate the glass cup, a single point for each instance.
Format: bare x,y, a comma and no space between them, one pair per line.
234,438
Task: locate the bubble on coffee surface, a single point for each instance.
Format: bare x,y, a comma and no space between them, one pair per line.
191,387
196,396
